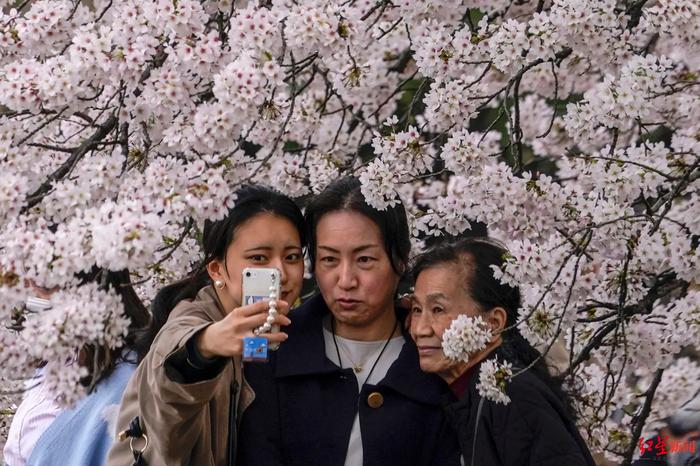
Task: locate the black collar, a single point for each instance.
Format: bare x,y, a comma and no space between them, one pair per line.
469,396
303,354
304,351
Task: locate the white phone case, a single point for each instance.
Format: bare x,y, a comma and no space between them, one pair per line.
256,287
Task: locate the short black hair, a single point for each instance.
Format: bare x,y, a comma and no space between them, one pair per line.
345,195
476,256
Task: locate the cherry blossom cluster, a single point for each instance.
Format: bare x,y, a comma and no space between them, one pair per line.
493,380
86,315
568,127
465,337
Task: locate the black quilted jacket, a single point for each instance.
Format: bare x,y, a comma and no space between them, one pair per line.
532,430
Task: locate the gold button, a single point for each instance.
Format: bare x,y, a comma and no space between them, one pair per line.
375,400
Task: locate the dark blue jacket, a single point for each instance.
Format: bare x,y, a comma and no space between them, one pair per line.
305,406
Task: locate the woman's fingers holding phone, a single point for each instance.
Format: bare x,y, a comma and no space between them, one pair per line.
277,337
261,307
282,307
225,337
257,320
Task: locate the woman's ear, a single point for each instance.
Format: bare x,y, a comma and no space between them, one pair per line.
497,318
400,264
215,270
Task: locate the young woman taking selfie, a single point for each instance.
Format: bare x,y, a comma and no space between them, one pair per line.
182,405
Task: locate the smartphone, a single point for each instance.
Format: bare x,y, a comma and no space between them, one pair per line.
258,283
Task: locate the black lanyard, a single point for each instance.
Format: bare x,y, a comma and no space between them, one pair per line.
388,340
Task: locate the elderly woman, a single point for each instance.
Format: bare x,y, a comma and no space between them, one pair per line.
535,427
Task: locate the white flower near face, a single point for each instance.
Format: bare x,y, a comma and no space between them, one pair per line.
493,377
466,336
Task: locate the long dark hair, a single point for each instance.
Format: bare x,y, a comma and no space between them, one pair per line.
478,255
216,238
345,195
100,360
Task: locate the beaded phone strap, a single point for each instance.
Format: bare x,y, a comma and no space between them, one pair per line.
271,313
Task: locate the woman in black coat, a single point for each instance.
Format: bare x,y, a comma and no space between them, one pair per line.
346,388
535,428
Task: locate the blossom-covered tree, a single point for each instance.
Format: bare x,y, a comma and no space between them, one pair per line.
571,128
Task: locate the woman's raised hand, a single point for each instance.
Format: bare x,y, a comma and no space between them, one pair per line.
225,337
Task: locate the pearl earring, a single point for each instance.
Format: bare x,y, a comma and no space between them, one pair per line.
219,284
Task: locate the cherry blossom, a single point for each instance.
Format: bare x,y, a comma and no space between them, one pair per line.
465,337
568,127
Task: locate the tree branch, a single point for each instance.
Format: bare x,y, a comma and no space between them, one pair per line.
102,132
640,419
